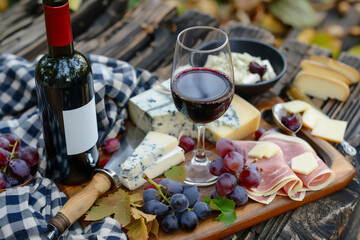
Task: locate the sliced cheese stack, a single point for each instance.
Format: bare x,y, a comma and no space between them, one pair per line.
154,110
155,154
324,78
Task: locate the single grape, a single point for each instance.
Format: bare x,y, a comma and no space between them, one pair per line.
179,202
187,143
2,180
291,121
150,194
4,157
12,138
19,168
173,188
111,145
170,223
29,154
217,167
250,176
178,215
233,162
239,196
149,206
225,184
5,144
202,210
259,133
189,220
225,145
254,67
160,210
192,193
164,184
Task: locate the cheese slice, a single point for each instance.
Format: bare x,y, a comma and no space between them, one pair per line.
311,116
304,163
343,68
154,110
264,149
296,106
157,168
330,129
321,87
154,146
323,70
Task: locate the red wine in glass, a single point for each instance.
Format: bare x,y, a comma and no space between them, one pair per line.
202,94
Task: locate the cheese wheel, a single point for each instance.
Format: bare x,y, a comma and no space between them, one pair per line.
323,70
321,87
343,68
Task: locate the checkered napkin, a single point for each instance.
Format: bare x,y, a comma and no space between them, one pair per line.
25,211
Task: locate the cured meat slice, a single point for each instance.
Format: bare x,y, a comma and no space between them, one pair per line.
292,146
275,175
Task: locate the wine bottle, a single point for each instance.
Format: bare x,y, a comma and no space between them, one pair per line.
66,100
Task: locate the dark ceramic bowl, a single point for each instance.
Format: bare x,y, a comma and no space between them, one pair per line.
264,51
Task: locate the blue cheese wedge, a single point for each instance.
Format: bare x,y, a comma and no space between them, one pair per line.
154,146
157,168
154,110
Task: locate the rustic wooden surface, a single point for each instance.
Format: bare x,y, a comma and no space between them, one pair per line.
111,32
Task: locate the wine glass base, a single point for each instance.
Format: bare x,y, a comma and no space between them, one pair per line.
197,173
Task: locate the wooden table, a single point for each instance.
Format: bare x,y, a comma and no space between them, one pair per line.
147,41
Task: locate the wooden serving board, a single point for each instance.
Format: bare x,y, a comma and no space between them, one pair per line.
253,212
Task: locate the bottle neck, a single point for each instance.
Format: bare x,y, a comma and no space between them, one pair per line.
58,28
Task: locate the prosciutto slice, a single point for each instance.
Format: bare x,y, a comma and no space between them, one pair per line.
275,175
292,146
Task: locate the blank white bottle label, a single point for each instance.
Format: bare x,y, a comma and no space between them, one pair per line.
80,128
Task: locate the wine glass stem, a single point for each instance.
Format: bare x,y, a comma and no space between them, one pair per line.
200,157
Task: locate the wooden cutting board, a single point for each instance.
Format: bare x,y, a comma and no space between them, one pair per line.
253,212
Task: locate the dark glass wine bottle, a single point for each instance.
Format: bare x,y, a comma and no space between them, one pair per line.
66,100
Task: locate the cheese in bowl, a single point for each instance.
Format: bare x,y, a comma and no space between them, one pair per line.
248,69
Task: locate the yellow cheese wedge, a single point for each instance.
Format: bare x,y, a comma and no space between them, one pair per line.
343,68
311,116
249,119
296,106
321,87
324,70
264,149
330,129
304,163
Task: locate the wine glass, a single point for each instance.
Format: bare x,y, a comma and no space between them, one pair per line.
202,88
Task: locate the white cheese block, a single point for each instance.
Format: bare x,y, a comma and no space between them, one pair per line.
154,146
154,110
157,168
304,163
321,87
296,106
264,149
330,129
311,116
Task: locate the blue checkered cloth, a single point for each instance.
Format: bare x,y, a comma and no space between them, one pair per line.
25,211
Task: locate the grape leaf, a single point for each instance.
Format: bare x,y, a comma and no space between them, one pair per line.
176,173
136,199
355,50
117,203
142,225
325,40
298,14
226,206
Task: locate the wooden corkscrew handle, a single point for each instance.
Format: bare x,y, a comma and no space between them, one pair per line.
77,205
